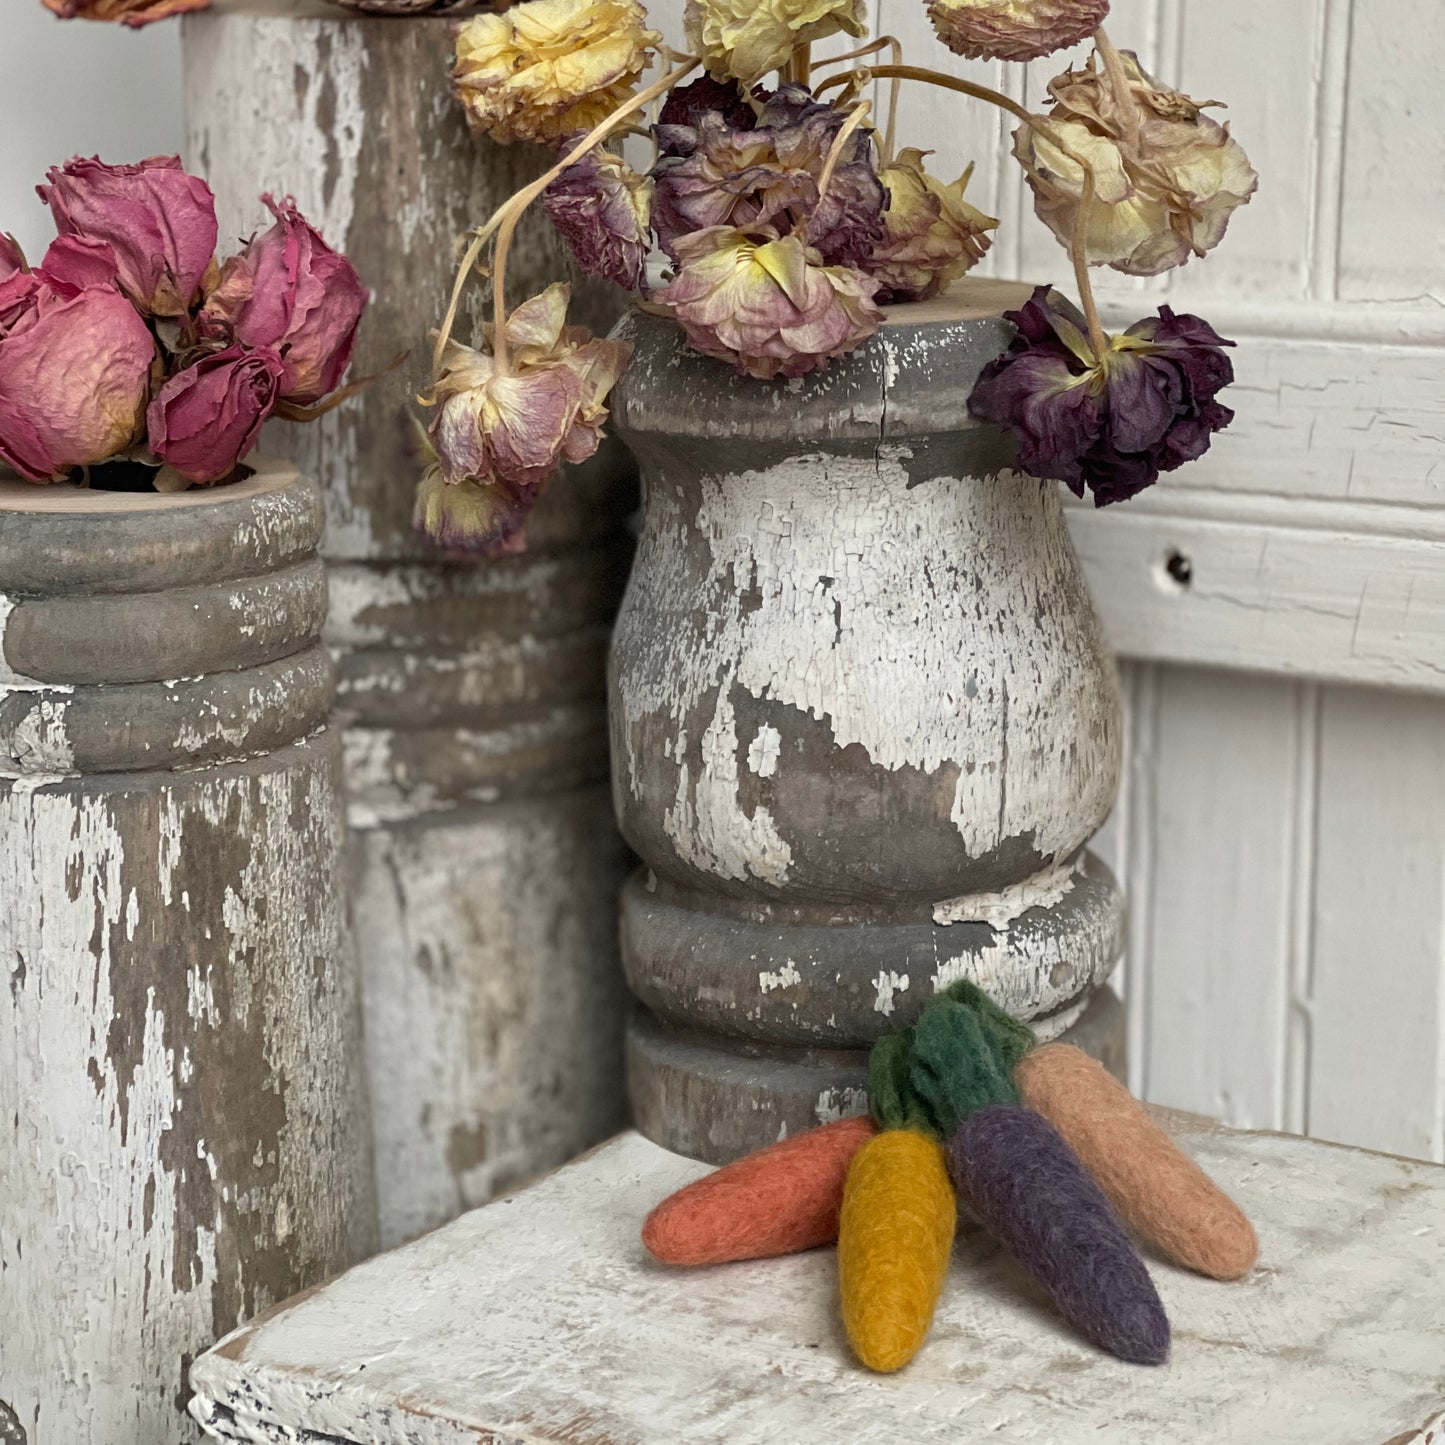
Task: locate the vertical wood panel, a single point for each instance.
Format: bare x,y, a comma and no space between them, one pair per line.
1392,245
1273,119
1377,998
1219,907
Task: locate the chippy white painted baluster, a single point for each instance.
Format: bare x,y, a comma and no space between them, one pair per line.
183,1121
486,870
863,724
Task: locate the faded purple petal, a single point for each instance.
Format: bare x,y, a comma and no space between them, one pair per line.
471,517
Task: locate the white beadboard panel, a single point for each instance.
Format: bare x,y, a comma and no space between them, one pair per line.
1375,992
1334,600
1214,911
1260,254
1392,242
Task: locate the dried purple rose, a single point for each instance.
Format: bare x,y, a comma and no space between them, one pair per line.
717,173
1111,423
603,210
686,104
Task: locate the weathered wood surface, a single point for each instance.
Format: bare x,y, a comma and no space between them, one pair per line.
541,1319
184,1130
471,695
863,724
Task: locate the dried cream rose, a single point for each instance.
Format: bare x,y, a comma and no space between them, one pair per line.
1014,29
1166,176
931,234
549,68
746,39
765,302
496,439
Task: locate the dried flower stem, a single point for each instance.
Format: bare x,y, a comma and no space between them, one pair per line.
1078,252
894,46
504,222
799,68
835,151
1118,81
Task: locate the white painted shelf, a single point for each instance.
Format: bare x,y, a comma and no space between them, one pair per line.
539,1320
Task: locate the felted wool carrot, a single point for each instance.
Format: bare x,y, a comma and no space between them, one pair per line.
778,1200
1035,1196
894,1241
1022,1178
1158,1191
895,1233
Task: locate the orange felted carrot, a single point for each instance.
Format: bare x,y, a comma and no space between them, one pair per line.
779,1200
1157,1190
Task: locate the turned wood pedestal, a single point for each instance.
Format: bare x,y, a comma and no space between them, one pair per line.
540,1320
486,866
184,1137
863,725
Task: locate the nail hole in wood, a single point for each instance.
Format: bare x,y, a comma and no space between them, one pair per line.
1180,568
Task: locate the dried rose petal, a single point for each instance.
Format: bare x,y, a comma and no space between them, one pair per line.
931,234
289,292
603,209
766,303
208,417
75,369
1014,29
1110,424
159,222
1167,177
746,39
134,13
549,68
12,258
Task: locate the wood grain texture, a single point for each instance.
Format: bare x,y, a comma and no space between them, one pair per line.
1333,1340
184,1110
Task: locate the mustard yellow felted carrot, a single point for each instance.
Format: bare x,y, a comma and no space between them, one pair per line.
895,1237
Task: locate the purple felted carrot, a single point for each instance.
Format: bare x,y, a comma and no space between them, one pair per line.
1029,1188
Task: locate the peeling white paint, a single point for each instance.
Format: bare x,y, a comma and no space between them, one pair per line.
708,825
835,1104
1001,908
888,984
763,751
779,978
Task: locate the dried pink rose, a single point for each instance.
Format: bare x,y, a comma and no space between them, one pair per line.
79,261
508,433
75,367
134,13
208,417
1014,29
290,292
159,222
766,303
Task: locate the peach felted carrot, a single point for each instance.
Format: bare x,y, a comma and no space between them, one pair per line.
1159,1192
779,1200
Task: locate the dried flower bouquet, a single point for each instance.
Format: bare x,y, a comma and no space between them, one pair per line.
131,347
789,221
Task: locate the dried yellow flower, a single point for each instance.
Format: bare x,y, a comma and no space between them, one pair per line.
931,235
746,39
549,68
1166,176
